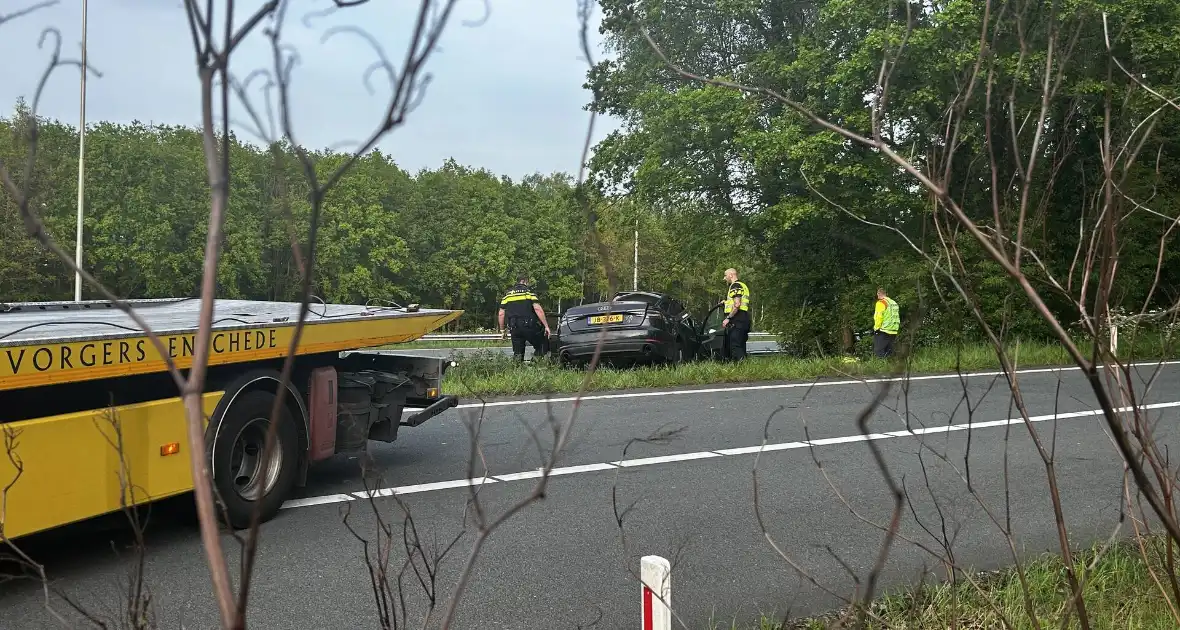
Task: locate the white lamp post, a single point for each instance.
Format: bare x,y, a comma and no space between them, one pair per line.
81,164
635,267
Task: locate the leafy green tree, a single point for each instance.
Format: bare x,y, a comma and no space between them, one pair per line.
826,215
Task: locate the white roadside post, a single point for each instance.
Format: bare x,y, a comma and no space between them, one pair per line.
656,574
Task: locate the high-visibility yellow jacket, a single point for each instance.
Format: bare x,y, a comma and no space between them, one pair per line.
737,290
886,316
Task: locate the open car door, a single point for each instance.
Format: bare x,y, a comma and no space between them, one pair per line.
712,335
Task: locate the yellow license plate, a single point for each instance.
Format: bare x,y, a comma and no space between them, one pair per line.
606,319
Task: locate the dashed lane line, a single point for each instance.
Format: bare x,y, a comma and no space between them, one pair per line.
684,457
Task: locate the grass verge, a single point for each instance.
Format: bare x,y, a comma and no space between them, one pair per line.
1120,592
487,373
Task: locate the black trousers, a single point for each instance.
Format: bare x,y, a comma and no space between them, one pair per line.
736,336
531,335
882,344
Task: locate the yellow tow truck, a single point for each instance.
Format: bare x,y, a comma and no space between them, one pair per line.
91,420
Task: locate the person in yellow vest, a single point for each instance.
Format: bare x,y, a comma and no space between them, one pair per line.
737,316
886,323
526,320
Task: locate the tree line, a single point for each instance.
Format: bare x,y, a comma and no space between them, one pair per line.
453,237
712,177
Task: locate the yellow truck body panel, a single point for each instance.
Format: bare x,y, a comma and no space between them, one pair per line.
106,344
67,468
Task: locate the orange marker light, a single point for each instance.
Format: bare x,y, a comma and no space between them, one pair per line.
432,392
170,448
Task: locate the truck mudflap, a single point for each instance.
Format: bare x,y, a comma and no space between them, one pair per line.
428,408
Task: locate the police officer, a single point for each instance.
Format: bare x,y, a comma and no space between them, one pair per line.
737,316
886,323
526,319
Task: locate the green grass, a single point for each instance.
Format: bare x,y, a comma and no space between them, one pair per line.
1119,593
484,374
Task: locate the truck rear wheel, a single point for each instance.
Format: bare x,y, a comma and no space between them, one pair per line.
242,480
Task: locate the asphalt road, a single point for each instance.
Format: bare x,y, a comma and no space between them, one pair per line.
687,494
751,346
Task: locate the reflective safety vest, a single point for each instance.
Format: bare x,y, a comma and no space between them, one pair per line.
737,289
518,306
887,316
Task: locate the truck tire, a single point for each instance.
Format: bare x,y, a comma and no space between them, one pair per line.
239,475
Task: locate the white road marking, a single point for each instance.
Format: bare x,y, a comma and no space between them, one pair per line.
683,457
750,388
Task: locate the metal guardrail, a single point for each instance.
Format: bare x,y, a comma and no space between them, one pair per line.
495,337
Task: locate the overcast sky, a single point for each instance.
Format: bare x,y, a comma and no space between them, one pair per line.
506,94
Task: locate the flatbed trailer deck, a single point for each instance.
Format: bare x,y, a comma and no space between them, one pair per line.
93,423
